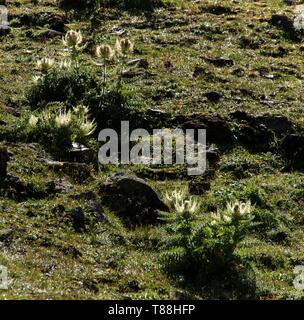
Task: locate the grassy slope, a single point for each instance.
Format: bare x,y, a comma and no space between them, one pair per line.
47,259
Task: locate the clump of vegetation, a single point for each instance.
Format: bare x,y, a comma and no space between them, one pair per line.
198,246
100,85
54,127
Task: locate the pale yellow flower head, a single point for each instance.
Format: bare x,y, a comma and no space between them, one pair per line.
81,110
124,46
175,195
37,79
104,51
63,119
88,127
238,207
33,121
190,206
72,39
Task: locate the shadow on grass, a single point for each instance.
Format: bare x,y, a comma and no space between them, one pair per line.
236,281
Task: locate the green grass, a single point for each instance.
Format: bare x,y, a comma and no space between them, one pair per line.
47,259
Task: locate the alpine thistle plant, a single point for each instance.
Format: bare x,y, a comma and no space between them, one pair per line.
124,46
105,52
196,244
73,39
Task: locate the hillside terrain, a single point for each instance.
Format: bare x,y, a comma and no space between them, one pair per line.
71,228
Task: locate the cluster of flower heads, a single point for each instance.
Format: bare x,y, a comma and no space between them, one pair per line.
181,202
236,210
239,210
122,48
74,41
64,118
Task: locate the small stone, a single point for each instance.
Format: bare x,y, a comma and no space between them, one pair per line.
58,209
214,96
78,218
219,62
6,234
199,186
96,209
140,63
198,70
59,186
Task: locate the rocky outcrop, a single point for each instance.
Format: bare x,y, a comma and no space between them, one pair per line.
217,128
132,198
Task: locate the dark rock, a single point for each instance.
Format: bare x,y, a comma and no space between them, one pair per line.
198,70
16,189
219,62
79,153
218,9
6,234
199,186
255,137
59,186
293,149
282,22
241,116
134,187
214,96
58,209
213,157
87,195
96,209
140,63
278,124
49,34
132,198
161,174
78,218
218,130
57,22
154,118
12,111
111,263
4,31
90,285
4,158
259,132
